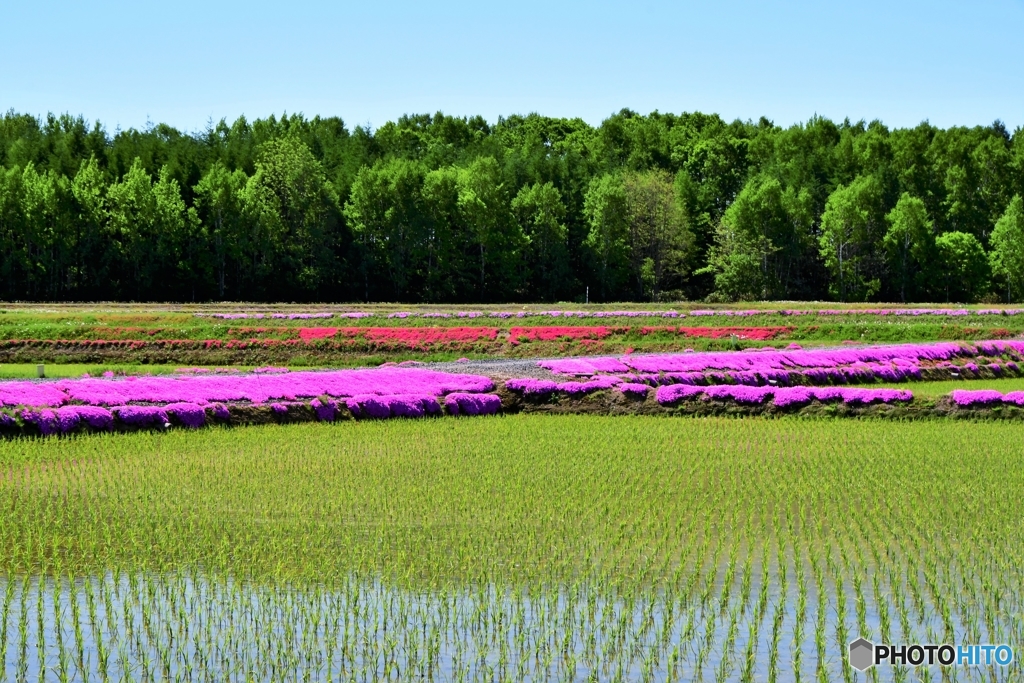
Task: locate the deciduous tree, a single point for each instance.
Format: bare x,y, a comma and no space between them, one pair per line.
1007,257
909,239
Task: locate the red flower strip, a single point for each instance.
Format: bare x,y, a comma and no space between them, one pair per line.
420,335
518,334
755,333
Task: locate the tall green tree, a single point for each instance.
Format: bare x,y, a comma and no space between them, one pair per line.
448,275
181,244
13,261
299,208
909,240
541,214
496,239
713,161
1007,256
132,220
964,265
608,236
46,236
94,252
760,241
219,201
385,214
849,230
659,236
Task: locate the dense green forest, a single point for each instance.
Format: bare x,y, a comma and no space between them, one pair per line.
447,209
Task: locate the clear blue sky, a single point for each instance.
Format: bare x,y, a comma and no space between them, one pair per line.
953,63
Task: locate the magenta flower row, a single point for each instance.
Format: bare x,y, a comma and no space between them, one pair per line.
411,405
281,316
472,404
68,418
539,387
254,388
193,415
355,315
968,398
891,362
782,397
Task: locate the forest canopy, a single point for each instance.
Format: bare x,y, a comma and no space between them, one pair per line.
436,208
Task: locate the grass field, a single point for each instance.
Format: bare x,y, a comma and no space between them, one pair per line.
508,549
57,370
54,370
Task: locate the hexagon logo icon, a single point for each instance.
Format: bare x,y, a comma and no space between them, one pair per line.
862,654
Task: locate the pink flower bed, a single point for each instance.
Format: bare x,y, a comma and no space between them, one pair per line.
472,404
411,336
968,398
913,312
782,396
253,388
280,316
633,388
895,363
397,405
158,402
533,387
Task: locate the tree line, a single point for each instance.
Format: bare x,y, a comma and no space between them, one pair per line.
529,208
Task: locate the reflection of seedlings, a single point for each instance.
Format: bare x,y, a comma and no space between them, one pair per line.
773,652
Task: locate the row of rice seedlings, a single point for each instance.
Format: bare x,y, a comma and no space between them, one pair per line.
504,550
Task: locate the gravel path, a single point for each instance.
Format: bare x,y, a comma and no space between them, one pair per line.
507,368
504,368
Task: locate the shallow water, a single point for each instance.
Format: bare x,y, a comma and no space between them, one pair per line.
190,627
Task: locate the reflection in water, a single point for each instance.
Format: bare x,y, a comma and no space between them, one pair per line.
737,626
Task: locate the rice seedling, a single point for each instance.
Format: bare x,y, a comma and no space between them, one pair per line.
524,547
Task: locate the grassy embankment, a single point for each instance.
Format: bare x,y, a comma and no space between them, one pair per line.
161,336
